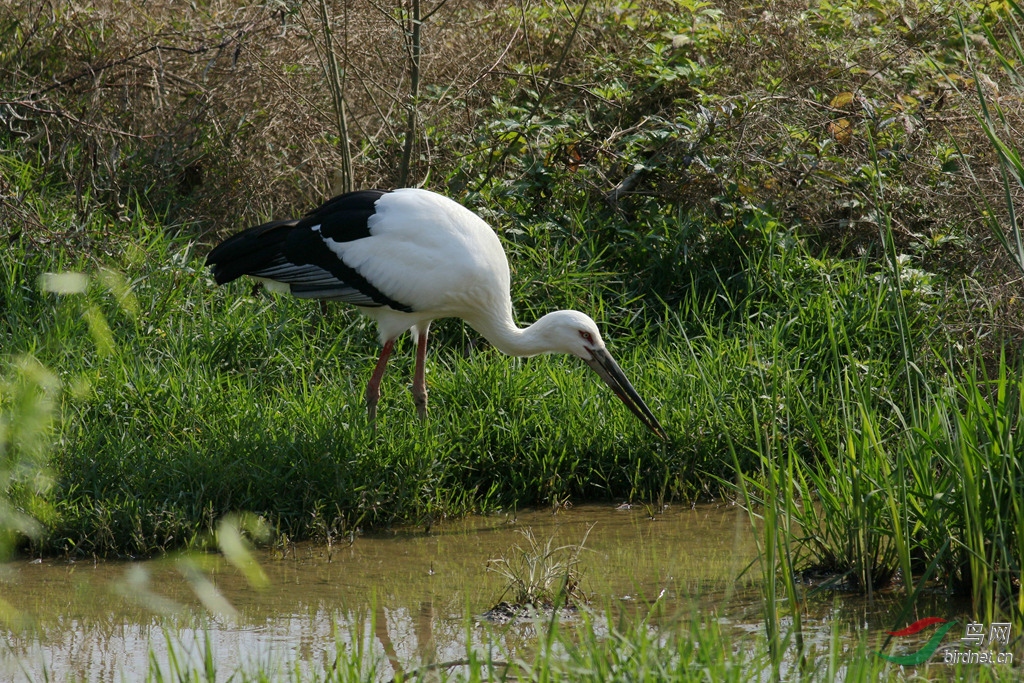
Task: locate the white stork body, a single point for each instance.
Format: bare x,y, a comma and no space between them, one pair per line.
405,258
434,255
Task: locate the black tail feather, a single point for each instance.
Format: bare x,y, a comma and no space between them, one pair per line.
249,251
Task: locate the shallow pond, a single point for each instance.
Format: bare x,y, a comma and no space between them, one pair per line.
101,621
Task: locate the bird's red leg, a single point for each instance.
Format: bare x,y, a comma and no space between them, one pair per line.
419,379
373,388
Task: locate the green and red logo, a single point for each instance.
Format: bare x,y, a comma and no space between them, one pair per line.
926,652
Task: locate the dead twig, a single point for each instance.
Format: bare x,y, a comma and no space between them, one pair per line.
58,113
93,70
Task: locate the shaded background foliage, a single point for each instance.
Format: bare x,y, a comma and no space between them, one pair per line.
213,116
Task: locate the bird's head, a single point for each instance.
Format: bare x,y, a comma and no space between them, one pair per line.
577,334
571,332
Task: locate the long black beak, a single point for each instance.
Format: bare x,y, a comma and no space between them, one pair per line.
605,366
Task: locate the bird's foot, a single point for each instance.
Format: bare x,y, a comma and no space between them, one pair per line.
420,399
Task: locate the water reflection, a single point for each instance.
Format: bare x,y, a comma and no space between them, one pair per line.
100,621
405,595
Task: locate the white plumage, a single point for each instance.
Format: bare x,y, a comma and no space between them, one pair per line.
407,257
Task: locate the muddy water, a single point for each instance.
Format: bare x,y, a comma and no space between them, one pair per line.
102,621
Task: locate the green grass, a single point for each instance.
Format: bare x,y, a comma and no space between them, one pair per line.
183,402
193,401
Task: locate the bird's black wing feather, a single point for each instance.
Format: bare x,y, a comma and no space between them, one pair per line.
294,252
344,218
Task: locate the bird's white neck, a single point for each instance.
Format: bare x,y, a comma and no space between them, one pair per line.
510,339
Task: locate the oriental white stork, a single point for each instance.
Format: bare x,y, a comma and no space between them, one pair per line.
406,257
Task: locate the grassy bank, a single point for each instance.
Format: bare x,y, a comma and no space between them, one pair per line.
183,401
